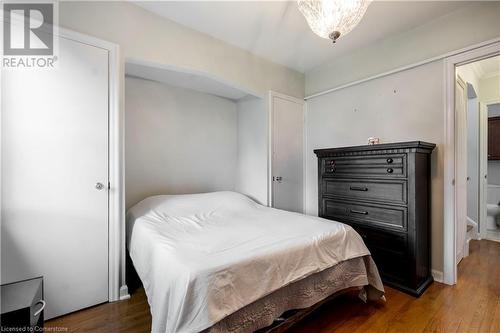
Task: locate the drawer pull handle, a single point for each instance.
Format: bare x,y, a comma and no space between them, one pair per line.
390,160
331,166
362,212
390,170
41,309
358,188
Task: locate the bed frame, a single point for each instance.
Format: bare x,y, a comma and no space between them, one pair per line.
292,317
280,324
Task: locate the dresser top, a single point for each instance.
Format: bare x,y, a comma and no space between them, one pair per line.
20,294
421,146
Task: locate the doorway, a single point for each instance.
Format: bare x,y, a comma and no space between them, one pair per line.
453,197
477,152
61,176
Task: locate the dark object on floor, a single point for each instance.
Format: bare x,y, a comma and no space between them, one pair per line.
22,306
383,192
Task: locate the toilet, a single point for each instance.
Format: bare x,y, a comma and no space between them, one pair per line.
493,207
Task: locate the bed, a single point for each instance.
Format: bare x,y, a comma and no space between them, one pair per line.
220,262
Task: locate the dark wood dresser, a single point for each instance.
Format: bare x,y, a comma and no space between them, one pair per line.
383,192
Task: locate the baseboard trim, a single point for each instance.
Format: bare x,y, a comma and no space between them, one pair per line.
493,235
437,275
124,293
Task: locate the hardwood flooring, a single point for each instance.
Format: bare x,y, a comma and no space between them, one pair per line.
473,305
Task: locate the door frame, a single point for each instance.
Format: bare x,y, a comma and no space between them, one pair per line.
117,288
450,156
270,183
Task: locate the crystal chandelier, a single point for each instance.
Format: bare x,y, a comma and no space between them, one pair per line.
332,18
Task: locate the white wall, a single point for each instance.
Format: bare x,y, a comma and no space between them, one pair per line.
177,141
464,27
402,107
490,89
253,149
252,173
494,110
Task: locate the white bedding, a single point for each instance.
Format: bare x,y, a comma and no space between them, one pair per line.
201,257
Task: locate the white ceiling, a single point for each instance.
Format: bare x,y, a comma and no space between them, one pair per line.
278,32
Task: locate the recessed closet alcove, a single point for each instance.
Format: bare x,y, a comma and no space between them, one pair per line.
189,132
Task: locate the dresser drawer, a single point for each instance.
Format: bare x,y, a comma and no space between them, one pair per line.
389,251
371,215
393,191
377,240
390,165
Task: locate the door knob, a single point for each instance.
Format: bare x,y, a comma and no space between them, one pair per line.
279,179
99,186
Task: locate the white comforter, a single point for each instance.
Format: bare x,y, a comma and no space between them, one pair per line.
201,257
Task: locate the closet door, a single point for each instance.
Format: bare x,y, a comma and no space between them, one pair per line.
54,158
287,153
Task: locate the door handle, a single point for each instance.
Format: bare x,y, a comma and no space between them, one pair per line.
42,302
99,186
279,179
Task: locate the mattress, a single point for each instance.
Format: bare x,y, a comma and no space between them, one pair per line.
202,257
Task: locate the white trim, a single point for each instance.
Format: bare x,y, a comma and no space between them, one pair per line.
304,160
117,288
475,53
491,102
437,275
404,68
493,236
124,293
299,101
117,284
483,169
270,149
460,178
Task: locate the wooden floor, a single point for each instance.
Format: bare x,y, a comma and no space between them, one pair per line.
473,305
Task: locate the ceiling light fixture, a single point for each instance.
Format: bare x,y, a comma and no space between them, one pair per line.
332,18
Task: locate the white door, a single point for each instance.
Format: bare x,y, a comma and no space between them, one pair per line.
287,152
461,170
54,151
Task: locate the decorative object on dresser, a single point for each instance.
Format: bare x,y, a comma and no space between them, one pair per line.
383,192
22,306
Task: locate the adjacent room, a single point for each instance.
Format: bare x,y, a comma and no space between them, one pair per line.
250,166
